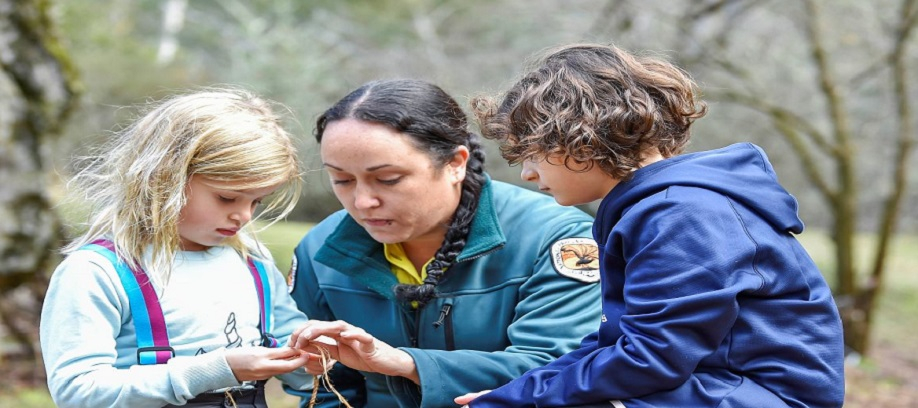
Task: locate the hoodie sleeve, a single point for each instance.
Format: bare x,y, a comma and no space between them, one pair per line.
84,311
685,256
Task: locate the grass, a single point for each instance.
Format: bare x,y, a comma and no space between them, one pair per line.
875,378
281,238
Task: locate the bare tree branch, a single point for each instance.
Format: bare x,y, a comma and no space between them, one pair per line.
845,205
790,125
901,32
689,26
425,22
608,10
906,138
827,82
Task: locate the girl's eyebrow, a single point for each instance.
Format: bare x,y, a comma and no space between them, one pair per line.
244,192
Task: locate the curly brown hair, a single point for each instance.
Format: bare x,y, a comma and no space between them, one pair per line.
595,105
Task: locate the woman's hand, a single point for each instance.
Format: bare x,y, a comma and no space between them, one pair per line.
259,363
464,400
318,363
355,348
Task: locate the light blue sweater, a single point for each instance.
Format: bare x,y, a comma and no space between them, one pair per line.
209,304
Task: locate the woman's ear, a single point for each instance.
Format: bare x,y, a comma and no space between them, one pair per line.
458,163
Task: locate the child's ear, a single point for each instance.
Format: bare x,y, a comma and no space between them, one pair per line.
458,164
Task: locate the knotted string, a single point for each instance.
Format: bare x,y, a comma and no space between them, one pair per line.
229,396
325,355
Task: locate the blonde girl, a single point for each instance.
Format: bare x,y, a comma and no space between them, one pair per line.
167,298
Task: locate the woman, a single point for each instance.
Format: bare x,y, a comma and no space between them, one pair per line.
435,280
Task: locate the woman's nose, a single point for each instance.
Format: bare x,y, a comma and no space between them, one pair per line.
365,198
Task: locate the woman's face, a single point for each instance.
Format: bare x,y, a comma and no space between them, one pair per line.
390,187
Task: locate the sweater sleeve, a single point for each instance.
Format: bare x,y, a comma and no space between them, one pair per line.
686,259
82,317
553,314
287,318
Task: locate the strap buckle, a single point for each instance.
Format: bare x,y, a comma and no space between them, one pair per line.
268,340
151,355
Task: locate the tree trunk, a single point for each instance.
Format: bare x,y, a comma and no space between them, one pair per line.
825,142
37,91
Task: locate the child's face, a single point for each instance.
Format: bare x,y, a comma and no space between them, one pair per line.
216,211
567,185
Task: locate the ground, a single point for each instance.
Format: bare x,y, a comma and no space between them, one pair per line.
889,379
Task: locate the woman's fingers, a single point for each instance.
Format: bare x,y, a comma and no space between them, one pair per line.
365,342
353,347
316,329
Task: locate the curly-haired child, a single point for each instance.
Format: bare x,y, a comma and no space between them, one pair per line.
708,298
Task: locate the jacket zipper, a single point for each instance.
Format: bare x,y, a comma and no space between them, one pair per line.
417,328
446,321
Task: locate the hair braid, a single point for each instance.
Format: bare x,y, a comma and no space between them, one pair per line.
455,238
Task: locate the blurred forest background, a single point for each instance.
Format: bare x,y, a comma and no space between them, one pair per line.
827,88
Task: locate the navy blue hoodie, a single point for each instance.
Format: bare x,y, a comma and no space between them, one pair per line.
708,298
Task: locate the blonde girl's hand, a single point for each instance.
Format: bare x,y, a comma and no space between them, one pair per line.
259,363
464,400
357,349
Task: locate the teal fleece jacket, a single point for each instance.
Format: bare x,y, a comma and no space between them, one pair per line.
514,300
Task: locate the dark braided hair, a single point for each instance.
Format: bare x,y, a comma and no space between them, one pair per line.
435,124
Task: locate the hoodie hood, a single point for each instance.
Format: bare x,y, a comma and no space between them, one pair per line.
740,172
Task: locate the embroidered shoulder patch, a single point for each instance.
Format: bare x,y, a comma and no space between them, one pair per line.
576,258
291,276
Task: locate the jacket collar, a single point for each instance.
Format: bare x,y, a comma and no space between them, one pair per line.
353,252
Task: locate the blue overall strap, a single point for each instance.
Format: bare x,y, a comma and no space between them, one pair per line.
263,289
149,324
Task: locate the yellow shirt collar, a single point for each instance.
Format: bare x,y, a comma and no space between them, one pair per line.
402,267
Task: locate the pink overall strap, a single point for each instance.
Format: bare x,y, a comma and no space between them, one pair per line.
263,289
150,326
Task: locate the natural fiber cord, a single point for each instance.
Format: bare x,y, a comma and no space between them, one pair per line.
324,380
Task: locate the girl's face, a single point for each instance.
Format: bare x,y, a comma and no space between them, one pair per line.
567,185
390,187
215,211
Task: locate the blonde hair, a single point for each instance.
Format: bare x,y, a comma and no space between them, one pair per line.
136,184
